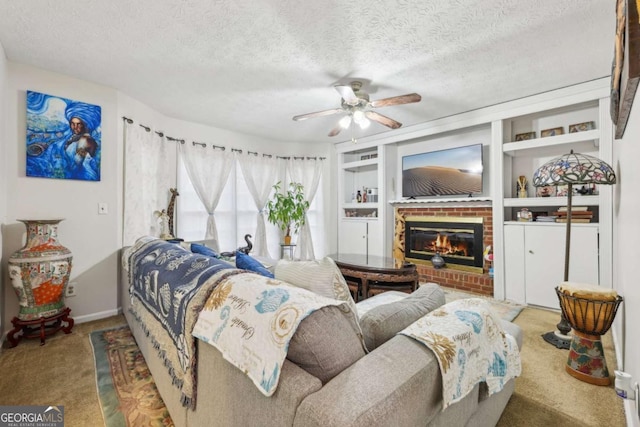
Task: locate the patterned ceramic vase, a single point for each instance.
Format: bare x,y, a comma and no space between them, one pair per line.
39,272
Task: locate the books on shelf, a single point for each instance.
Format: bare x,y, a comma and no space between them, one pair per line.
578,214
587,214
573,209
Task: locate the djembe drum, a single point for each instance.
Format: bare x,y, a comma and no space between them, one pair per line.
590,311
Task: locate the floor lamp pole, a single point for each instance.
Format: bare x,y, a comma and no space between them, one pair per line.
564,326
567,246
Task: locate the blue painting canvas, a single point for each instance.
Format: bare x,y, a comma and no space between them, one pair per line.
63,138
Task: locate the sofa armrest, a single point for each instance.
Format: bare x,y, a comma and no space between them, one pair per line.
397,384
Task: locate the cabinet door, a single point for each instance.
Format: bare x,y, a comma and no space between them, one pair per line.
375,239
514,263
544,261
352,237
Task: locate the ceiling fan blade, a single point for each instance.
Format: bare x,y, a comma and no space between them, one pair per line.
347,93
396,100
318,114
377,117
336,130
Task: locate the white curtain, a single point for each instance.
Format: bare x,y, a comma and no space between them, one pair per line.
260,174
208,170
147,179
308,173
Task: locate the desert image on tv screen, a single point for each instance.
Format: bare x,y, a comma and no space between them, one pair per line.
450,172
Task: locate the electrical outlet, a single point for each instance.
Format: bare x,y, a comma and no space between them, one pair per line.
71,290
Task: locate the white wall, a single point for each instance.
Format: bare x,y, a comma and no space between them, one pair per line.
3,160
625,242
95,240
92,238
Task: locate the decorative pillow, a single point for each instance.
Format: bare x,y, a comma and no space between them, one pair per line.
326,343
246,262
321,277
383,322
197,248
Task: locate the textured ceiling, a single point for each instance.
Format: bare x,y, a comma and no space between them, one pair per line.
250,65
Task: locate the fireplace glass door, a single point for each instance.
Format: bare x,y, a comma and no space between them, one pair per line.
459,243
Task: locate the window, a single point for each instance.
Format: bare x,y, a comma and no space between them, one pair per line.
236,215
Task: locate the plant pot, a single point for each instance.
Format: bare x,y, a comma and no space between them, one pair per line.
39,272
287,240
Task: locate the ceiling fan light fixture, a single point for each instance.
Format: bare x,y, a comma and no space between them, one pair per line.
360,119
345,122
359,109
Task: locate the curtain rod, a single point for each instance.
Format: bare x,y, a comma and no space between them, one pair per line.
220,147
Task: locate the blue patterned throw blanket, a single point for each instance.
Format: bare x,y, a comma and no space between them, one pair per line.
168,286
470,345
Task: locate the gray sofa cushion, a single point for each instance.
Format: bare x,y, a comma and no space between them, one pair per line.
381,323
325,343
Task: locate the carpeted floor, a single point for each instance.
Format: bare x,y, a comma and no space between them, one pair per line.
59,373
62,373
546,395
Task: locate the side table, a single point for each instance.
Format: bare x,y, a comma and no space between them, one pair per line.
284,248
368,275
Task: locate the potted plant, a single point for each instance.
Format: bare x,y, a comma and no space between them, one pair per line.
288,210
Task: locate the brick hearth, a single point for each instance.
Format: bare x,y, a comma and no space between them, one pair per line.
449,277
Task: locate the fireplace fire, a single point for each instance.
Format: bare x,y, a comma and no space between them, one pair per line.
457,240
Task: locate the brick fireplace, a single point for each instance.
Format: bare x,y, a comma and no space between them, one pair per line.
463,270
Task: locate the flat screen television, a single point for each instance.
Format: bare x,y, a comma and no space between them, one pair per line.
451,172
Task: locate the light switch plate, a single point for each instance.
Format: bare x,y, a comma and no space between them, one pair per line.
103,209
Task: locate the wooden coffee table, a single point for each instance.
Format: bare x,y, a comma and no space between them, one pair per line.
367,275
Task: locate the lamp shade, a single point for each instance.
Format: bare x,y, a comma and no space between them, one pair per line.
574,168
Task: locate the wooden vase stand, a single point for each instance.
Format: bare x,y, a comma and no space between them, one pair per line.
45,326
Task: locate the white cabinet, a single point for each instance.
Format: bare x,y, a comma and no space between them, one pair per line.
364,227
582,114
358,189
534,260
360,237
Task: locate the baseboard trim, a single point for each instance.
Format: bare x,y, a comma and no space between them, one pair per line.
95,316
77,320
630,413
617,347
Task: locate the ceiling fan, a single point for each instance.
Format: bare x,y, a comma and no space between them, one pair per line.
359,110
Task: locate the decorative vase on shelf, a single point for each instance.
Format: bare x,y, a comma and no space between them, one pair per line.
521,187
39,272
437,261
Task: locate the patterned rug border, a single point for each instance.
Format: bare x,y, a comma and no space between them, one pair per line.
130,388
106,393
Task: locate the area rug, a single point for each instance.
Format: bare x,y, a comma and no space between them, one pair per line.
128,396
507,310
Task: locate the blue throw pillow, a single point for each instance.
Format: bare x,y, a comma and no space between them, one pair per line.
197,248
246,262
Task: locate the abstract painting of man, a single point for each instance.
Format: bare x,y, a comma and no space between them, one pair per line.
63,138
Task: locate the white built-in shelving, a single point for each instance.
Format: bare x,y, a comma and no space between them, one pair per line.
506,158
